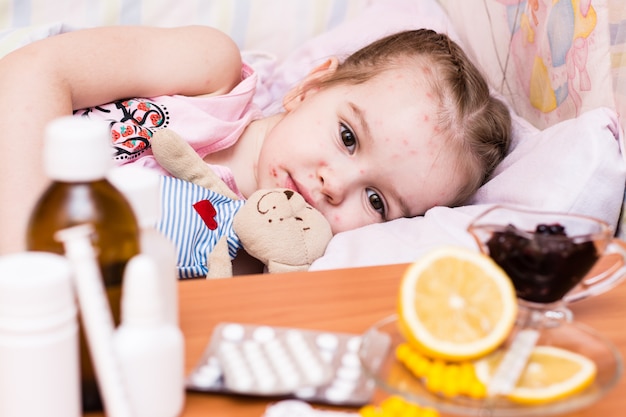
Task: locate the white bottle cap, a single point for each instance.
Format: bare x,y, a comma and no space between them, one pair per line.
35,291
142,302
142,187
77,149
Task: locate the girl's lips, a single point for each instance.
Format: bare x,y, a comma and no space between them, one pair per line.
293,185
290,184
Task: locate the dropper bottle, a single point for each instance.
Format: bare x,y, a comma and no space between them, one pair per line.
77,156
149,348
142,188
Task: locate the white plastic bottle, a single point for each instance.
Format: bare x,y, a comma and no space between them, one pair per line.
141,187
39,372
149,349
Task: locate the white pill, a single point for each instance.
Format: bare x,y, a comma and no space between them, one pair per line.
290,379
349,373
327,356
242,382
335,395
327,341
350,360
206,376
343,385
353,344
306,392
233,332
263,334
314,374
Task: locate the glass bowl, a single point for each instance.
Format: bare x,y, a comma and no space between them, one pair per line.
392,376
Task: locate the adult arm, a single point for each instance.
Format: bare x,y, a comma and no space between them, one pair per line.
52,77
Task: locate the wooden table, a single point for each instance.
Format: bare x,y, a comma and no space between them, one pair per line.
348,300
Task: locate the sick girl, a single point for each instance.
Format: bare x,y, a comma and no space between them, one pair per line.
400,126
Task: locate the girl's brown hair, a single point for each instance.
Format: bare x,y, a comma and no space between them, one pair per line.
478,124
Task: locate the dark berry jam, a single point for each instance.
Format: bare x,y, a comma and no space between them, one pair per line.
545,267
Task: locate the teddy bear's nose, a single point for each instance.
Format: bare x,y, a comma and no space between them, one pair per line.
288,193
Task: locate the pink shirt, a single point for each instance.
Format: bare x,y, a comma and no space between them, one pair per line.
208,123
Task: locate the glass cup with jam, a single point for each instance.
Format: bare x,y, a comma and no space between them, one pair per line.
552,258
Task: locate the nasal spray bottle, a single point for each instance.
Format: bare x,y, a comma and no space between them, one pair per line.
142,188
139,365
150,349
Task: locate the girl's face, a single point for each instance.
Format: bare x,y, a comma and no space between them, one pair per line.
363,154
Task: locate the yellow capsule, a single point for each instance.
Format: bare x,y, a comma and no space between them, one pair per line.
403,352
369,410
466,377
477,390
412,410
392,406
421,367
450,388
429,412
452,371
434,383
436,368
450,385
411,360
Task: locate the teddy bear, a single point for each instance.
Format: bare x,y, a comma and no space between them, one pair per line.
276,226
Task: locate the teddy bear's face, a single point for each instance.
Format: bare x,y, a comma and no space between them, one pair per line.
279,225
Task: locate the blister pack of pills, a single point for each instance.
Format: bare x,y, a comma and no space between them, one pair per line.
314,366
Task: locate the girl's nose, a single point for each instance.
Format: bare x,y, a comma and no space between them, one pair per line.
333,184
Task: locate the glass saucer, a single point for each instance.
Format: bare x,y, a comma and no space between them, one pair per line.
391,376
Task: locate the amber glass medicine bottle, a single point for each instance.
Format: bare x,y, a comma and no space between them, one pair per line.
77,156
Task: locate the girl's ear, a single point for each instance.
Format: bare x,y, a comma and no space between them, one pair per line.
299,92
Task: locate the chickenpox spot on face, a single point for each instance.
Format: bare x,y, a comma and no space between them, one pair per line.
426,118
399,78
273,172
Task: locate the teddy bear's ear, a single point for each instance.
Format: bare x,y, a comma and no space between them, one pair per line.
178,158
277,267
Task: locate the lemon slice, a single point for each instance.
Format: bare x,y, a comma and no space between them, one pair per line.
551,374
456,304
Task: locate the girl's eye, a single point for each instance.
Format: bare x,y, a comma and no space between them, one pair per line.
347,137
376,202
